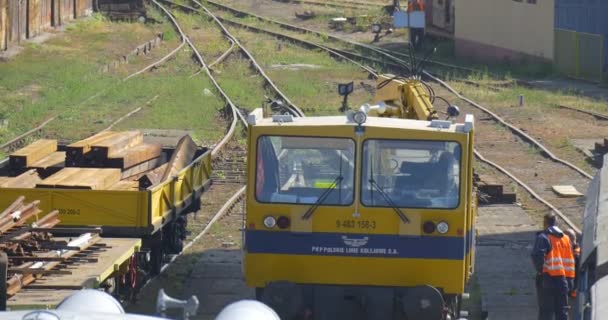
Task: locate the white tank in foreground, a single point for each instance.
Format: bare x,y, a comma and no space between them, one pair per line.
247,310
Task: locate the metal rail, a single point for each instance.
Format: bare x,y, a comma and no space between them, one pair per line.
345,5
399,61
236,197
403,63
589,112
512,127
236,115
294,109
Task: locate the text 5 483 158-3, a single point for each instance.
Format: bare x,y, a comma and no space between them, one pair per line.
356,224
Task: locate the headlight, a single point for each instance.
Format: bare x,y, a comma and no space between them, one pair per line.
269,222
443,227
359,117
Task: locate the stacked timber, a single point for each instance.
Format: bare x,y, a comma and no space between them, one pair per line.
108,160
82,178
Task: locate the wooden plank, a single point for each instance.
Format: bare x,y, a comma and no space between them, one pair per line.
55,159
33,18
137,171
46,14
182,156
130,157
122,140
56,178
125,185
28,179
22,19
153,177
566,191
30,154
83,8
3,25
91,178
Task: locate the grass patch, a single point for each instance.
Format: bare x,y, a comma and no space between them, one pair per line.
318,95
60,75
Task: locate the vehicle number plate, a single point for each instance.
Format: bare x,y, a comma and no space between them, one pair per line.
356,224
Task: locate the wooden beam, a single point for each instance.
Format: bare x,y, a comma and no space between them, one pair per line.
75,152
55,159
30,154
91,178
153,177
135,172
182,156
132,156
56,178
101,150
28,179
125,185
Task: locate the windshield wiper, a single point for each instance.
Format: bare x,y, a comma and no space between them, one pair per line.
322,198
390,201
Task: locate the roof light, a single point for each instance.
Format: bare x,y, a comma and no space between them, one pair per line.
359,117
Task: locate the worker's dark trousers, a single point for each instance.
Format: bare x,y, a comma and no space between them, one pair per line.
553,302
416,35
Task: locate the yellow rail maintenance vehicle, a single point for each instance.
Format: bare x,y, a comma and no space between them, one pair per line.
365,216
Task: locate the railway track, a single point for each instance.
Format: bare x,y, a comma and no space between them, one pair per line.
341,5
597,115
399,62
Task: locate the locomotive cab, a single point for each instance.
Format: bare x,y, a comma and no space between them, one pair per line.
359,217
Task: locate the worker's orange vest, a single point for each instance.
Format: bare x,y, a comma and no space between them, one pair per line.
416,5
560,260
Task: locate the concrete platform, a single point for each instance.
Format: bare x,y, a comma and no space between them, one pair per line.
217,280
503,266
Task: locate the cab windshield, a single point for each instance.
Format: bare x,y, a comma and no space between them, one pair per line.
411,174
303,170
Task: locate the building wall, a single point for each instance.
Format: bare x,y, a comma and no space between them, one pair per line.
505,29
589,16
3,25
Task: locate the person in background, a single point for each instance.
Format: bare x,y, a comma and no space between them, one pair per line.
554,264
416,34
576,251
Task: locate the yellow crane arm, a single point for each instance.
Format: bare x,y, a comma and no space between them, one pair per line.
402,98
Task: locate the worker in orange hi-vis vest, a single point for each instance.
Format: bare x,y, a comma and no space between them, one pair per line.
554,262
415,5
416,34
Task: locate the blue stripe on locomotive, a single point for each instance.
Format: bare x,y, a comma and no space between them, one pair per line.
369,245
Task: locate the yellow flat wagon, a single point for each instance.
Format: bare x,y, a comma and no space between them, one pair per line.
149,214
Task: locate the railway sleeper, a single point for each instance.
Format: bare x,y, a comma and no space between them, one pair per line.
323,302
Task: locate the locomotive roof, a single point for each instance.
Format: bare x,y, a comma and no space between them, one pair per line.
371,122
